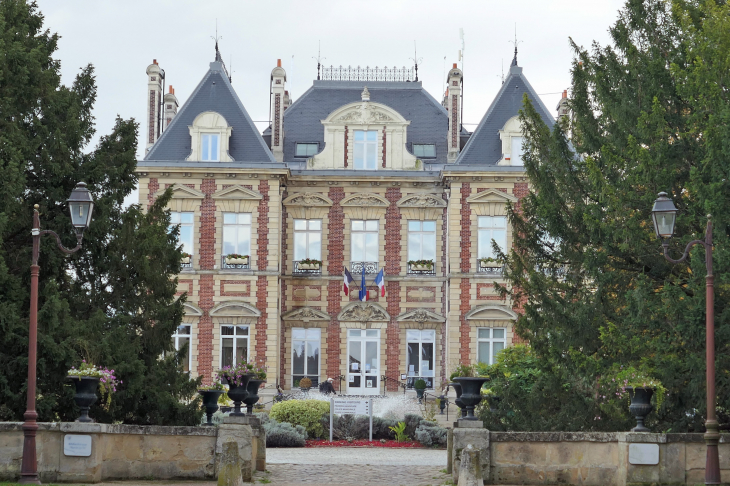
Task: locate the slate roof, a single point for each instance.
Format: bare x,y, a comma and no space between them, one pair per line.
429,120
214,93
484,146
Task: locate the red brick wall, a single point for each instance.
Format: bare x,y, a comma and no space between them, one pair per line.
207,226
282,329
152,187
465,232
263,227
520,190
335,262
262,254
465,285
206,291
261,325
392,290
464,307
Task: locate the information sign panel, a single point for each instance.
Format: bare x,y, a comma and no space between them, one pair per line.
77,445
351,407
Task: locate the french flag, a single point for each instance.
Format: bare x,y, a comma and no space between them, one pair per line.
363,290
348,281
380,282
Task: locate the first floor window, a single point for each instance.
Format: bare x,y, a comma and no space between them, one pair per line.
364,241
491,228
180,340
365,149
307,239
421,346
490,341
422,240
236,233
209,147
305,350
185,220
234,345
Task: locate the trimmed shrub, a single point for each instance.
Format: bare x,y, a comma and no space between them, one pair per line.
307,413
381,428
412,422
282,434
430,434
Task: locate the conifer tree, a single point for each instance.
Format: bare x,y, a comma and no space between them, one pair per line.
114,301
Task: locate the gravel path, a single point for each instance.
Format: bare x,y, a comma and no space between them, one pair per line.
382,456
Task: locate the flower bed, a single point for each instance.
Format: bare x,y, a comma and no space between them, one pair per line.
364,443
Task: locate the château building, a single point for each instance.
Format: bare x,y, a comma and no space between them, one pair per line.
365,172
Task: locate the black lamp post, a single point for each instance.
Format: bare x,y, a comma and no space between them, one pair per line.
80,205
664,214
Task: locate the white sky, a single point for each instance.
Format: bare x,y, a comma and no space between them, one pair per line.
121,38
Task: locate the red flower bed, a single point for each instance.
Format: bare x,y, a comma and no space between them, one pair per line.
362,443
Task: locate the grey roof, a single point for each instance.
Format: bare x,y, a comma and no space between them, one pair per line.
484,146
429,120
214,93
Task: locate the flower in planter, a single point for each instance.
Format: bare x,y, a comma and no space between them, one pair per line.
234,374
216,385
490,261
186,255
236,256
421,263
107,379
310,261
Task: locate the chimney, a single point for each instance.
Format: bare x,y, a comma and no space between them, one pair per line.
171,106
155,75
563,107
278,104
287,100
453,107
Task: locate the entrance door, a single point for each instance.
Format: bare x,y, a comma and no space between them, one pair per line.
363,361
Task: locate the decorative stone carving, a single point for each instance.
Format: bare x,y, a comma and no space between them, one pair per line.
491,196
180,191
355,115
420,316
234,309
365,95
365,199
491,312
305,314
421,201
237,191
363,312
308,199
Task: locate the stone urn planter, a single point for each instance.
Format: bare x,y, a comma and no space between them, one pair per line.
253,394
238,393
471,393
210,402
237,261
459,403
640,406
85,395
419,394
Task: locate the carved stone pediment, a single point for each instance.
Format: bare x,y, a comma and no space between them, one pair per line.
491,196
308,199
354,115
421,201
180,191
420,315
366,200
237,191
191,310
363,312
306,314
363,113
234,309
491,313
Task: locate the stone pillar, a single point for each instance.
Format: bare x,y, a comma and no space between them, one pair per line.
470,432
453,106
239,431
278,80
155,75
470,469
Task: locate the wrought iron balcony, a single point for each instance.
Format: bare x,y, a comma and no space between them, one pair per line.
238,265
186,262
491,268
422,269
370,268
307,268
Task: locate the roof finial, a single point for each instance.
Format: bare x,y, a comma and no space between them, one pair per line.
319,58
218,57
365,94
415,58
515,42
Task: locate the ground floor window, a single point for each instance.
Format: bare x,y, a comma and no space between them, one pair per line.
421,346
180,339
490,341
234,345
305,350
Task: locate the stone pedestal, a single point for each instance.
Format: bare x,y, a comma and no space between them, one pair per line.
470,469
471,432
243,436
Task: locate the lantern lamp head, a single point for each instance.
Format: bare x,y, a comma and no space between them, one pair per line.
80,205
664,215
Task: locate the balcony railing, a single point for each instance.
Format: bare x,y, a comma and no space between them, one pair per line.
189,263
492,269
237,265
370,267
421,269
307,268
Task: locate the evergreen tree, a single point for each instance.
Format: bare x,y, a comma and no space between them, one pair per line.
113,302
650,113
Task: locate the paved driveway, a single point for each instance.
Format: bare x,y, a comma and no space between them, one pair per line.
357,455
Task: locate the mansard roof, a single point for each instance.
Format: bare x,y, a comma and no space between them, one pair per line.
429,120
214,93
484,146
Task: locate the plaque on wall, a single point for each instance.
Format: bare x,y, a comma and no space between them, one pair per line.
77,445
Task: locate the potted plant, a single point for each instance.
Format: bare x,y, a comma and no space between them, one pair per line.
305,384
254,384
236,259
237,378
310,264
641,386
420,386
211,394
87,379
420,265
185,258
489,262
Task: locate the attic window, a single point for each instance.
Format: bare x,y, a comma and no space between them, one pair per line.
209,147
307,149
426,151
210,135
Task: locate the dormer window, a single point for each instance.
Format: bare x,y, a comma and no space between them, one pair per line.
425,151
209,138
517,150
210,147
364,149
306,149
512,139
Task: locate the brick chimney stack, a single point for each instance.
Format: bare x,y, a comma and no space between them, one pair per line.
155,75
171,106
453,106
278,105
563,108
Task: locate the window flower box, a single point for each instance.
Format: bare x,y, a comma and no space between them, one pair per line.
310,264
421,265
186,258
234,259
490,263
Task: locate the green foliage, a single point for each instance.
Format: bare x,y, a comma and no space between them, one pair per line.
629,376
431,435
463,370
650,113
400,432
420,384
427,263
305,383
307,413
283,434
112,302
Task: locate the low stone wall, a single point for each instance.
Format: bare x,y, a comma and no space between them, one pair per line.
123,452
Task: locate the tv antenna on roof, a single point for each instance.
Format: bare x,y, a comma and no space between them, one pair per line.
218,57
515,42
415,58
319,58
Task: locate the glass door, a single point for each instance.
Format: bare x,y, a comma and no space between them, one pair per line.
363,361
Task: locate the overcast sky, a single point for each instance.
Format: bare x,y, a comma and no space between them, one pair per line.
120,38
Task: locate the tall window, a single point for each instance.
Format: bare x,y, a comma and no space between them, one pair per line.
236,233
517,151
234,345
364,241
209,147
307,239
491,228
420,347
305,350
185,220
490,341
365,149
421,240
180,339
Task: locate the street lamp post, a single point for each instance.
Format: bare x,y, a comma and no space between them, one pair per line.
80,205
664,214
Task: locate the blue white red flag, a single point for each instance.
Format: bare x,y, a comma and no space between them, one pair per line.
363,289
348,281
380,282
